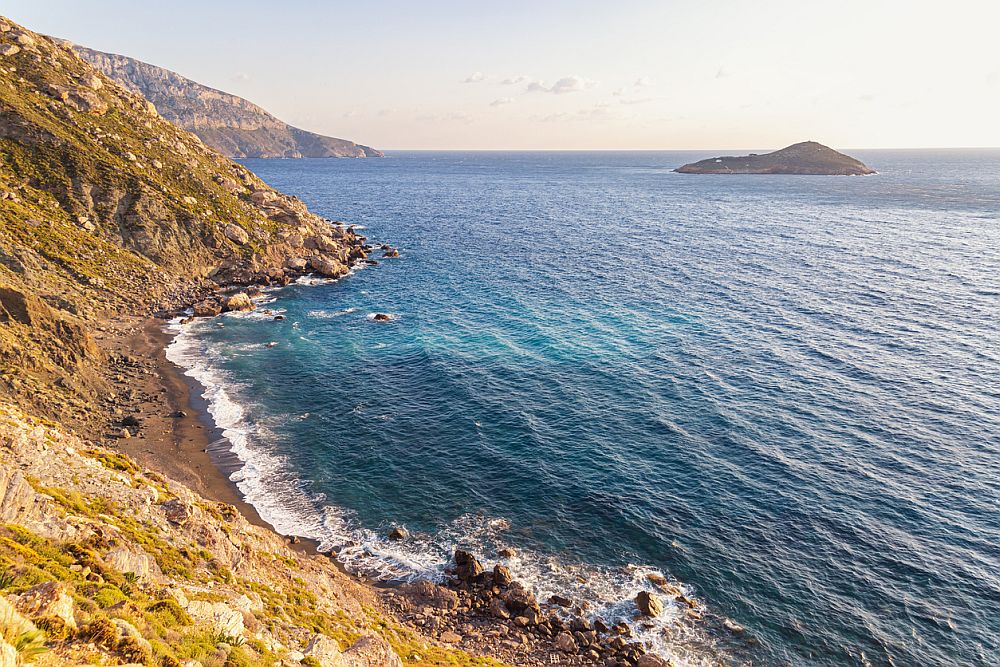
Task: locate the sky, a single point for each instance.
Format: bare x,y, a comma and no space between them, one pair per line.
709,74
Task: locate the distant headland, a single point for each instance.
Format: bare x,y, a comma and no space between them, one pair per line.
807,157
226,123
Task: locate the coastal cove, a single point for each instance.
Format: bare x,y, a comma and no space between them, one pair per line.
544,300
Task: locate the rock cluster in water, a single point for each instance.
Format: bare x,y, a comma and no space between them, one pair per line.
478,602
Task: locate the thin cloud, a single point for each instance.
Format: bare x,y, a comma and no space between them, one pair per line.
241,76
475,77
638,100
453,117
500,101
513,80
599,110
618,92
643,82
567,84
722,73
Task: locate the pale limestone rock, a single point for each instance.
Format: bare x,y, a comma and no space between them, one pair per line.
93,81
18,501
324,650
219,615
137,562
236,234
8,656
371,651
239,301
47,599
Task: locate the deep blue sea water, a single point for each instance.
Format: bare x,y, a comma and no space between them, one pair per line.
781,392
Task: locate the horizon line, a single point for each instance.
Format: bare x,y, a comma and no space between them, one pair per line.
660,150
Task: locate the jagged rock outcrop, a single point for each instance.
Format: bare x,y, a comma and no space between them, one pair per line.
805,158
229,124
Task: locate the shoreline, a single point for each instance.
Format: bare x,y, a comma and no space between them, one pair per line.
192,450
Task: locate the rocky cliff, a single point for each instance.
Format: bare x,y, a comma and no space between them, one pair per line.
109,213
805,158
106,207
114,547
229,124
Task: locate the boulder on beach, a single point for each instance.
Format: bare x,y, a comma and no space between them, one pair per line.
398,533
327,267
467,566
502,576
238,302
207,308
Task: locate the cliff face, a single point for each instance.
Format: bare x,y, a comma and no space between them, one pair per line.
229,124
805,158
105,207
108,211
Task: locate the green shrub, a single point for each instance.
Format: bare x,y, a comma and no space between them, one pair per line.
108,596
168,613
101,631
132,649
29,644
54,627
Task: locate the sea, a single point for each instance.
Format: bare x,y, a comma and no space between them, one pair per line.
772,400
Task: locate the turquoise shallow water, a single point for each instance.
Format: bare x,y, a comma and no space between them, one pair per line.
781,392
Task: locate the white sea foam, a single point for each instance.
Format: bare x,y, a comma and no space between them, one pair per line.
328,314
282,501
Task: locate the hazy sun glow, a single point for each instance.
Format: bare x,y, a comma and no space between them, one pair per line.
572,75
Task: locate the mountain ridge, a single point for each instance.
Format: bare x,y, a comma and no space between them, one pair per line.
227,123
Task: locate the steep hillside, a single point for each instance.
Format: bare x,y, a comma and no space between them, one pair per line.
229,124
111,218
105,207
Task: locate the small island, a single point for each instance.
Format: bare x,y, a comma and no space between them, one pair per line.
807,158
